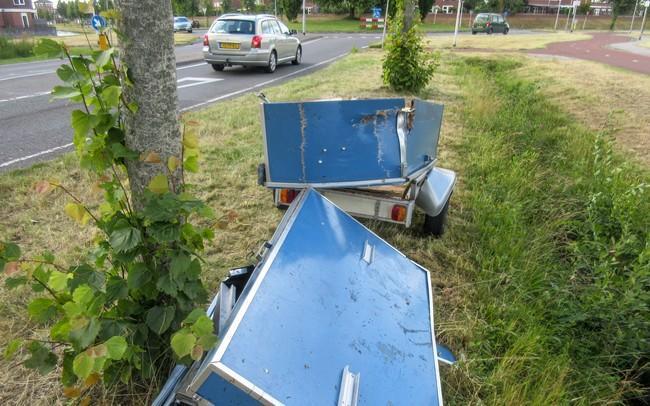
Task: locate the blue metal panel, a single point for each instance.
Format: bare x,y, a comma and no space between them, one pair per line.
331,294
221,392
422,140
332,141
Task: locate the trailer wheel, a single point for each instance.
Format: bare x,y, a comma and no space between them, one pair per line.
435,225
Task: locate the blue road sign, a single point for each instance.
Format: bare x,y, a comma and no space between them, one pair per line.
98,22
376,12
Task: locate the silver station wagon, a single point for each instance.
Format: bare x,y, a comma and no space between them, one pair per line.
250,40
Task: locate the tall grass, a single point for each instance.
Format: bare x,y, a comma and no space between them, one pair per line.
560,240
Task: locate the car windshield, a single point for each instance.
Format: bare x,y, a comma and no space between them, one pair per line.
180,19
234,27
481,18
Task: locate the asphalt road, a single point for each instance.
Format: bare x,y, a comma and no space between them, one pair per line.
33,128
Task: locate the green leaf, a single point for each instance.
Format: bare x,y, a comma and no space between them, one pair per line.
103,58
203,326
83,365
48,47
58,280
178,267
116,288
72,309
194,316
138,276
167,285
160,318
183,342
83,295
64,92
191,164
158,184
42,309
60,331
125,239
116,347
84,331
9,251
81,124
77,212
111,96
41,359
13,283
120,151
208,341
85,274
12,348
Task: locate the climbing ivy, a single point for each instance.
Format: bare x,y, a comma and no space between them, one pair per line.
116,315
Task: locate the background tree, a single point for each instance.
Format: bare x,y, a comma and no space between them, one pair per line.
148,50
226,6
291,8
249,5
619,7
425,8
62,9
352,7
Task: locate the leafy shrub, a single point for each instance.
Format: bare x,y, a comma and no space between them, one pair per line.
114,316
406,66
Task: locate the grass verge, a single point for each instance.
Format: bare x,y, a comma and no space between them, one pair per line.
503,42
547,229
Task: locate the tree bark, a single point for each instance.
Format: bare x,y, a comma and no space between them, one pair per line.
409,15
147,45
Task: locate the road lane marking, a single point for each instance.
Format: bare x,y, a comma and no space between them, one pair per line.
28,76
248,89
47,151
191,66
29,96
197,81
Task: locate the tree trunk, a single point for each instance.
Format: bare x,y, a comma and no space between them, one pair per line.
409,15
147,47
351,12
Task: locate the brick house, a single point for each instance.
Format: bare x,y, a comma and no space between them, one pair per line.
17,14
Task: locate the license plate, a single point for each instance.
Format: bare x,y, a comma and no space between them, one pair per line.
229,45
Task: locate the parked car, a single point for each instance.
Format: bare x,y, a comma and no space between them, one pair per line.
490,23
250,40
182,24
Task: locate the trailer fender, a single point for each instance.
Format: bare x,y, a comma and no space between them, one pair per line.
436,190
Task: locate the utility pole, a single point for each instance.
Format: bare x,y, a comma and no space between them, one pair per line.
304,22
383,35
457,21
645,12
460,24
584,23
573,20
275,7
568,16
636,4
557,16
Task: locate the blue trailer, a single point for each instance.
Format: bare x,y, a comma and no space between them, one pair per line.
331,315
375,158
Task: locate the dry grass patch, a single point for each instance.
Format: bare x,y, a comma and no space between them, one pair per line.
503,42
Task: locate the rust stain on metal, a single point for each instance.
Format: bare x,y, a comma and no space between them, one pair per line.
303,140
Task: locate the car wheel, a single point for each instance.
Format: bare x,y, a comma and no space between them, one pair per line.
490,31
189,31
298,57
273,62
505,31
218,67
435,225
473,32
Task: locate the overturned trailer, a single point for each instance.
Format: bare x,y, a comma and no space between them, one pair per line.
331,315
375,158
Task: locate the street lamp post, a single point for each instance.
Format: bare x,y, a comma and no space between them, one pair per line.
304,22
457,21
636,4
557,16
645,12
383,34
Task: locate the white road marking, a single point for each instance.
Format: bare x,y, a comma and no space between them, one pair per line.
47,151
191,66
635,60
24,97
607,55
312,41
197,81
28,76
248,89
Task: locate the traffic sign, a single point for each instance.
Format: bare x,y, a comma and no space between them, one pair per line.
646,3
98,22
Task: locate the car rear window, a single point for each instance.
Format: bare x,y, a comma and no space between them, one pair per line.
180,19
481,18
234,27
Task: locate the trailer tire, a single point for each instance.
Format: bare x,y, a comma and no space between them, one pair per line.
435,225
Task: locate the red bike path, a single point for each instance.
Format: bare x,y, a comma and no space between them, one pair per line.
597,49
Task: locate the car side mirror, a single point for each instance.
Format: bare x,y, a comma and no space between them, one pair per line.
293,32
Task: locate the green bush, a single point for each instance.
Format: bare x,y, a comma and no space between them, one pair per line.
407,66
15,49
